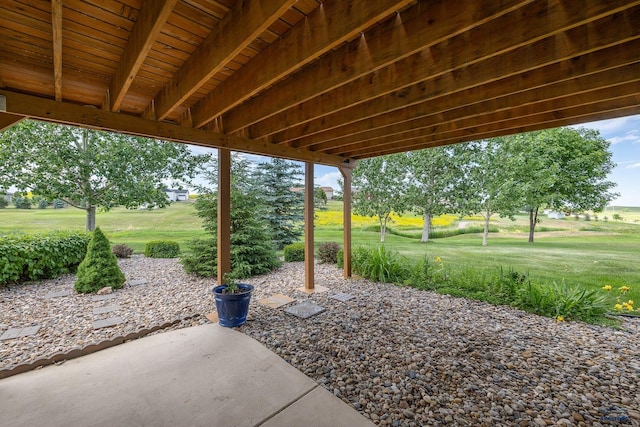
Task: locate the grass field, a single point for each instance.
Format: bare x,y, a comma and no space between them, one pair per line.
586,253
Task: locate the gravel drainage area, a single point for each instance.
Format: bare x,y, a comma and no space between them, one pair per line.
400,356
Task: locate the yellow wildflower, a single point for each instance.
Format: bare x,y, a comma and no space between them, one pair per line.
441,265
607,288
438,259
624,289
630,302
560,318
617,307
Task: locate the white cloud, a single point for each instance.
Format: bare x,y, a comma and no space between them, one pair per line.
329,180
634,166
632,136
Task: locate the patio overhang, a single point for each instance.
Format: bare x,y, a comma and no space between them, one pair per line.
326,82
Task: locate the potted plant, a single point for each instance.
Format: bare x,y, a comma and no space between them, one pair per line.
232,301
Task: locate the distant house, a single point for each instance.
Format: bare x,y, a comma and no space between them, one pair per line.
328,191
555,215
175,195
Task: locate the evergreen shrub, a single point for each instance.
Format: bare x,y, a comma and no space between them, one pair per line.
99,268
294,252
162,249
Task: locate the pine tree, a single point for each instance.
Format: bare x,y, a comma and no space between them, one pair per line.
99,268
285,207
252,251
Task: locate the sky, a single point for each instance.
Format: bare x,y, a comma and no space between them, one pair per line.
622,133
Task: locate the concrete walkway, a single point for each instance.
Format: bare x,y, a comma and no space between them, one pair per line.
201,376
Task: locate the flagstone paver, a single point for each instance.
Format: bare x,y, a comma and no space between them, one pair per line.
276,301
12,333
106,309
344,297
58,294
305,309
103,297
109,321
137,282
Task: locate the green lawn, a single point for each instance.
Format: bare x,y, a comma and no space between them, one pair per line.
587,253
121,226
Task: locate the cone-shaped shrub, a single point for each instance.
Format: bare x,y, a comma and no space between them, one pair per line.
99,267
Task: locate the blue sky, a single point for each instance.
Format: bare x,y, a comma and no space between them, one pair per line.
623,135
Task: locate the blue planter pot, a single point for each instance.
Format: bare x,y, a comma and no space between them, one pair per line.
232,308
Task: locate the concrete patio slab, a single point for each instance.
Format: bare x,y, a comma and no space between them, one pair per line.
311,411
200,376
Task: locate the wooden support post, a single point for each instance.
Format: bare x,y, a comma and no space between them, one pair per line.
308,227
346,220
224,213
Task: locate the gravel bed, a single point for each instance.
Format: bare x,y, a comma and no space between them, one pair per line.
400,356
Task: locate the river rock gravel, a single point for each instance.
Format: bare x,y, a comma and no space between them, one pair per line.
399,356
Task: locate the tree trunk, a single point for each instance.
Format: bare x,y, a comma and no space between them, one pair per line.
426,228
485,233
91,218
533,220
383,228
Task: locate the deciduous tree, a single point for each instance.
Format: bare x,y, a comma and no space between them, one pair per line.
91,169
380,188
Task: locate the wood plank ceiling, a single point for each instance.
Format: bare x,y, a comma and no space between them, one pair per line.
322,81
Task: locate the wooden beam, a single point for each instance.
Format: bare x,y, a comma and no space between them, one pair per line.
497,117
332,23
346,220
444,67
224,214
56,30
77,115
150,20
239,27
8,120
572,92
411,31
515,121
309,214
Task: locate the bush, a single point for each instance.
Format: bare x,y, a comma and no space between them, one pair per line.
162,249
560,300
35,257
328,252
22,202
99,268
294,252
58,204
122,251
42,204
203,258
380,265
3,202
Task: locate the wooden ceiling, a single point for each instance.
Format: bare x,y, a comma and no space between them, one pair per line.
322,81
